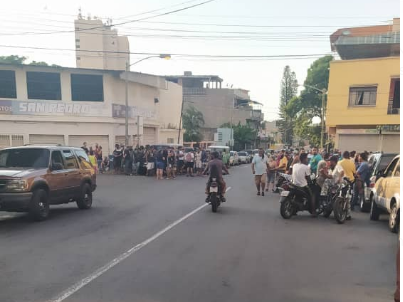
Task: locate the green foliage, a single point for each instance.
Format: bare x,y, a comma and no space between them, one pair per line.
20,60
193,120
243,134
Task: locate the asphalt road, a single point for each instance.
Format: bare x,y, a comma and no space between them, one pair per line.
245,252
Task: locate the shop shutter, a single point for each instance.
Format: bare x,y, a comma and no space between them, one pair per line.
102,140
4,141
44,139
149,136
391,143
17,140
358,142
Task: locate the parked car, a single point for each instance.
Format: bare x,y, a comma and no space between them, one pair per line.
377,162
250,152
244,157
34,177
385,197
234,158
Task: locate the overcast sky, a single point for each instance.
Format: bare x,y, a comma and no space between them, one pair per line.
272,28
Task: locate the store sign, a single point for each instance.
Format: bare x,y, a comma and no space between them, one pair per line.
52,108
119,111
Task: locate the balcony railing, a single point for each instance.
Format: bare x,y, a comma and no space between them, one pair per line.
194,91
393,110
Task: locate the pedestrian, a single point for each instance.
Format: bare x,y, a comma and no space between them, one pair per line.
84,147
352,156
117,158
272,173
171,164
160,164
225,158
181,161
189,163
316,158
105,164
260,166
98,155
128,160
93,160
150,160
198,161
362,177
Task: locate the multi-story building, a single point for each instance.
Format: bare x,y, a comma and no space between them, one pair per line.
218,105
98,46
69,106
363,109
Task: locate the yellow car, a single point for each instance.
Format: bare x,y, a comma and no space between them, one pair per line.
385,197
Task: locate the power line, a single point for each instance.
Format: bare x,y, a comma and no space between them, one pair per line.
122,23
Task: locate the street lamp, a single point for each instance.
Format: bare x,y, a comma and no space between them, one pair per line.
162,56
322,127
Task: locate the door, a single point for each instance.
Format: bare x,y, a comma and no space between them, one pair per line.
382,189
73,173
149,135
57,178
392,185
44,139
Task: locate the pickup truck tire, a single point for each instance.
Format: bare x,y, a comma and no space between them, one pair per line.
39,207
375,211
84,202
394,217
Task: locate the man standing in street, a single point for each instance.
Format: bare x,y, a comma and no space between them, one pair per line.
189,163
260,167
225,158
316,158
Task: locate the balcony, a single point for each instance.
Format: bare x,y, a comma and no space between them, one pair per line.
194,91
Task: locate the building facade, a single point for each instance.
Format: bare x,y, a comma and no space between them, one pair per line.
70,106
363,109
218,105
98,46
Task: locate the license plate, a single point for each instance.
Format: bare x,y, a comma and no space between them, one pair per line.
285,193
213,189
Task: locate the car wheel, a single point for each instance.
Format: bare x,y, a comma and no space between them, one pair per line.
394,218
39,207
85,200
375,212
364,205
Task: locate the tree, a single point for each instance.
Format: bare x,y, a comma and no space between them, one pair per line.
309,103
21,60
193,120
289,89
243,135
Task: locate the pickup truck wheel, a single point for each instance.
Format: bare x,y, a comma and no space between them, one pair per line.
375,212
85,200
394,218
39,207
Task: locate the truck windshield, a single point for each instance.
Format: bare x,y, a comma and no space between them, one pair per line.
24,158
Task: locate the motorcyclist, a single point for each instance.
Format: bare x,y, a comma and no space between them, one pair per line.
216,166
300,174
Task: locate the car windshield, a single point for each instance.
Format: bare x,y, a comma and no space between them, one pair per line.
242,154
232,153
24,158
385,161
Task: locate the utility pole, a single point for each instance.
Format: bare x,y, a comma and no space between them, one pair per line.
180,119
322,132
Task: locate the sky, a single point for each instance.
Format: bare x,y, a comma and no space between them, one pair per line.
221,27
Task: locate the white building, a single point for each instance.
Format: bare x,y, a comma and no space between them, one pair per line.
98,46
69,106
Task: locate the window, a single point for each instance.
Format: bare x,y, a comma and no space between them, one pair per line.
24,158
7,84
43,85
87,87
83,159
363,96
170,140
70,160
391,167
219,136
78,58
57,158
394,97
77,46
397,171
77,40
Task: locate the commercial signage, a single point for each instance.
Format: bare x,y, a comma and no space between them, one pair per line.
119,111
53,108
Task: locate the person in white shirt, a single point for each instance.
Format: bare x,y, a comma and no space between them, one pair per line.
300,173
260,166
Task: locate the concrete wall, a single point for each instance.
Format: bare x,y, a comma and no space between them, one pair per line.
347,73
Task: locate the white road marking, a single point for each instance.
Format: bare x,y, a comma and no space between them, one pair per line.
74,288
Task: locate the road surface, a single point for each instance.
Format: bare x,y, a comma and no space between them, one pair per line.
138,243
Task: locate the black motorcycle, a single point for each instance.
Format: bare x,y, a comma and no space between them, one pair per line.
297,200
214,197
341,202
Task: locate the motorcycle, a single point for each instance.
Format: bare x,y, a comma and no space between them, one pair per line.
214,195
295,199
342,202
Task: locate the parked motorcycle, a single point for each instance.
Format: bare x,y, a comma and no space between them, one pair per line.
214,197
295,199
342,201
